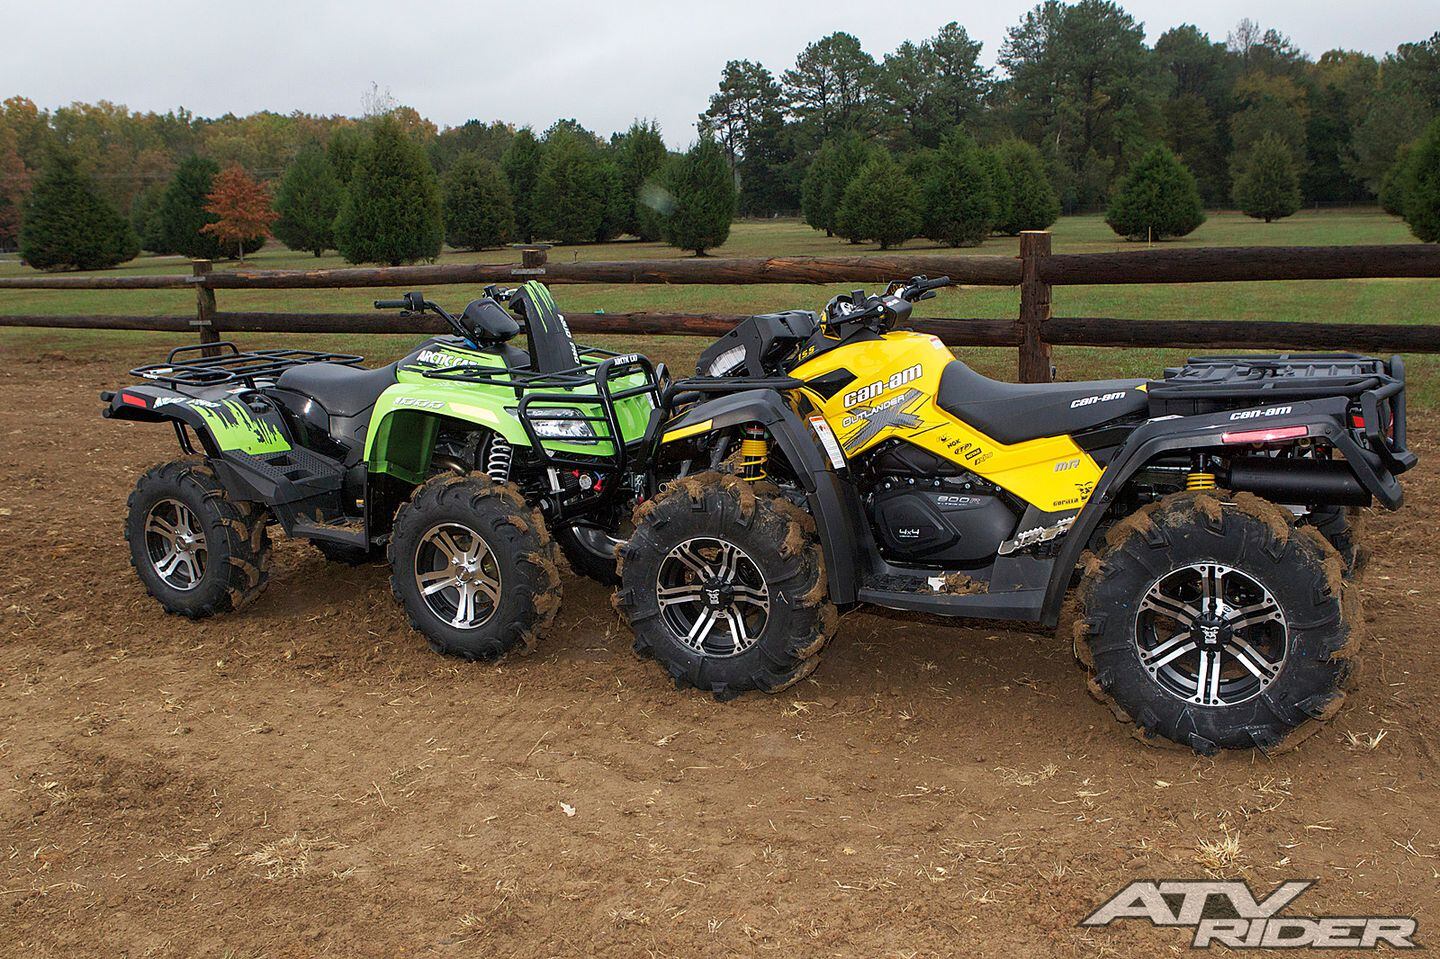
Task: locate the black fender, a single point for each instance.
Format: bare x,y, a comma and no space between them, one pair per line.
152,403
830,496
1326,418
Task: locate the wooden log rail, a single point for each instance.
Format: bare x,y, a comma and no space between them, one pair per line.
1036,272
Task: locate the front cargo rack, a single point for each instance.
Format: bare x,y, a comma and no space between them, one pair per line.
180,369
558,401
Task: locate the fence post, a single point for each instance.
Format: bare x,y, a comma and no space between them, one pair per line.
1034,308
205,309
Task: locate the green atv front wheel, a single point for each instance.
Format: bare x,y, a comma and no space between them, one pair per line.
474,567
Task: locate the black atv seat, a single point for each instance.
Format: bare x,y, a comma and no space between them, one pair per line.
1015,412
341,390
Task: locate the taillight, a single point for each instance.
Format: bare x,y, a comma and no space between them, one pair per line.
1273,435
1357,421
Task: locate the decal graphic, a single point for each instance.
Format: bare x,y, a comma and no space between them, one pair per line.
873,421
235,428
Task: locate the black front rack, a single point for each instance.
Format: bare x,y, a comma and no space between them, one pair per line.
233,366
551,397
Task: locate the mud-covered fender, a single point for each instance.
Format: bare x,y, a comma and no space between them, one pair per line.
830,495
1326,418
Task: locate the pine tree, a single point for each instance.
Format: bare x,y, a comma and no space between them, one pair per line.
68,226
181,217
392,211
1395,181
641,156
242,209
521,163
956,201
1422,186
477,203
308,202
879,204
1156,199
570,196
617,208
1034,204
1002,188
834,166
14,185
341,151
704,195
143,219
1268,187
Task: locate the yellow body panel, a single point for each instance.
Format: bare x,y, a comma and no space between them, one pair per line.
893,397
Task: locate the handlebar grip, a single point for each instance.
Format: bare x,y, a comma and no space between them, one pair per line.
391,304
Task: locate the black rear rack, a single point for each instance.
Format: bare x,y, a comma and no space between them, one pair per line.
551,397
1376,386
1282,376
232,367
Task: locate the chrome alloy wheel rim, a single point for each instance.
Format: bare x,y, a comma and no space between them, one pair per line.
712,596
1211,635
175,543
457,575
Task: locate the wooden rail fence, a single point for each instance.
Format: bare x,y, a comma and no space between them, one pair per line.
1036,271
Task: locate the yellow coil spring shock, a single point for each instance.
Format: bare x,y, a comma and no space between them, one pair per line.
754,452
1195,481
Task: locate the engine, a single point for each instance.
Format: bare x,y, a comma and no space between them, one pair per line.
930,512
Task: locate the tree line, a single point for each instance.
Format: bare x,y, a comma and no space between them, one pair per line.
925,141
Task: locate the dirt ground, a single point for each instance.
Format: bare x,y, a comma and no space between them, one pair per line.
306,778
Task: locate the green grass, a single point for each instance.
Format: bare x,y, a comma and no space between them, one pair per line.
1360,301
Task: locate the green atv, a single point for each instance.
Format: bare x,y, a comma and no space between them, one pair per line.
470,460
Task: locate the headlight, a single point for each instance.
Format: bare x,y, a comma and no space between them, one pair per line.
559,423
727,361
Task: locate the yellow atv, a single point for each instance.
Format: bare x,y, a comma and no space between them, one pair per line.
821,461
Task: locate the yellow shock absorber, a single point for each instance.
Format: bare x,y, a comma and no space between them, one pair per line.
754,453
1195,481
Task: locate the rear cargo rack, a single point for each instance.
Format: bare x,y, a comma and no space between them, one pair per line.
180,369
1282,376
1376,388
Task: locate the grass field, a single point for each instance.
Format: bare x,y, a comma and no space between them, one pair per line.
1368,301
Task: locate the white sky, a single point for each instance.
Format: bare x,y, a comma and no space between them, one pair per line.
602,63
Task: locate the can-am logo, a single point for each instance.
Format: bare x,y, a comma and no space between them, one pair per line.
1228,914
1091,400
895,381
1252,414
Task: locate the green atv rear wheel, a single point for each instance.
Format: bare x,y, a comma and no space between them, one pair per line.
198,551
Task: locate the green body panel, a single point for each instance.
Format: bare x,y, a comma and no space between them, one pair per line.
408,415
235,429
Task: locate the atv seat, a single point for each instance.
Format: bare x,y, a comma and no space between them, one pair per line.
340,390
1015,412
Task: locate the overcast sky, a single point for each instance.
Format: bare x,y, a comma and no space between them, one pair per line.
602,63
